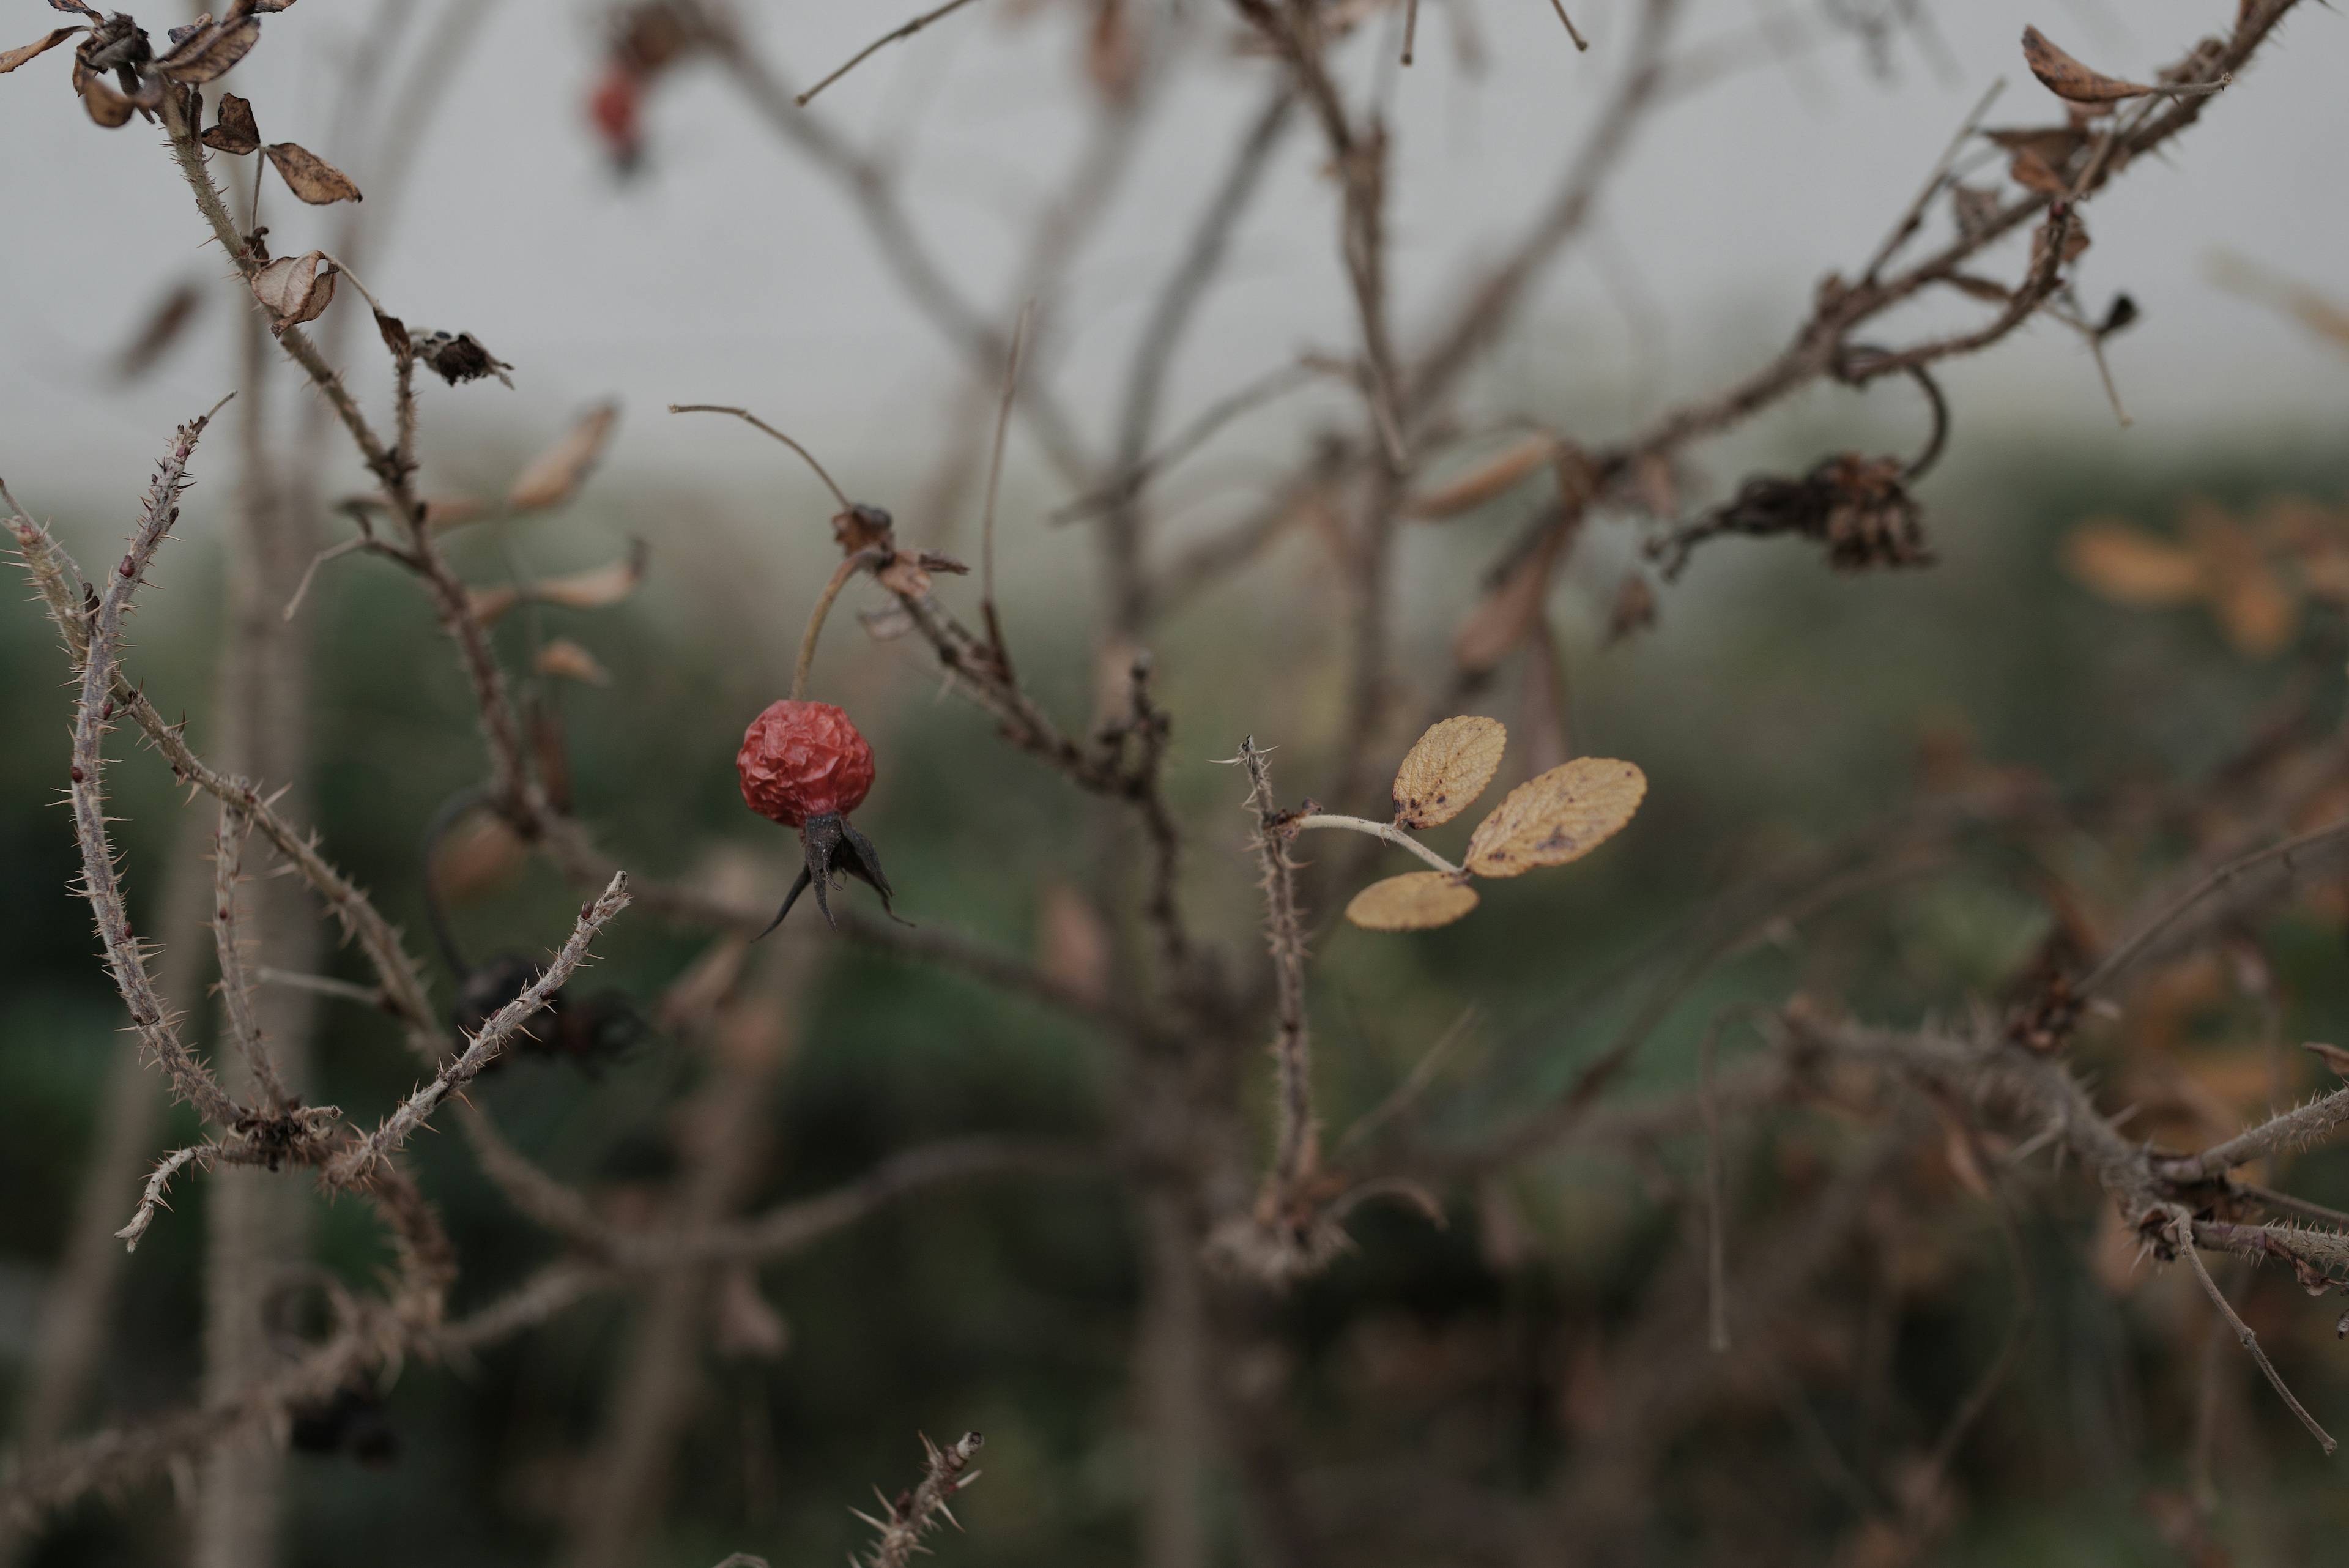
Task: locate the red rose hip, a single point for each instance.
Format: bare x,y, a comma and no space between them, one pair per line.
800,760
804,766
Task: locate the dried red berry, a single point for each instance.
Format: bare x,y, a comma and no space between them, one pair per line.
800,760
804,766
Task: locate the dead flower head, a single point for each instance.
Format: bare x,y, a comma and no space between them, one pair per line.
1859,507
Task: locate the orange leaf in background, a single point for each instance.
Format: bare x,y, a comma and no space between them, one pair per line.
1414,901
2067,78
2131,567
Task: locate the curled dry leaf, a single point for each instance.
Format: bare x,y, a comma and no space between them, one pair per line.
1557,816
566,660
553,474
207,50
1495,475
296,289
2067,78
233,127
1414,901
2131,567
38,47
309,176
1492,630
1447,770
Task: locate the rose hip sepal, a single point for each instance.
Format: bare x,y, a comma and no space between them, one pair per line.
804,766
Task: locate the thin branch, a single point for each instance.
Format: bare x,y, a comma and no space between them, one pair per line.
2182,1229
236,991
1388,830
374,1152
883,41
159,1031
747,417
987,604
1297,1152
917,1512
2120,957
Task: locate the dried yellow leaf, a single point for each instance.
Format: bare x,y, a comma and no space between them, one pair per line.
1415,901
1447,770
1561,815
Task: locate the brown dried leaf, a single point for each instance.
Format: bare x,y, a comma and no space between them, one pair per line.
591,589
1447,770
2033,173
555,473
2067,78
162,327
1657,486
38,47
2131,567
603,585
568,660
106,106
1557,816
1634,608
2332,1056
1491,631
209,50
1414,901
234,129
1980,287
453,511
296,289
309,176
476,857
1495,475
1075,946
743,1327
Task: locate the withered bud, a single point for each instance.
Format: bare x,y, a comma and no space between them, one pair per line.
459,358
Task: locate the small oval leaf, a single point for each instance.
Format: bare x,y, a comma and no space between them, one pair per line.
1447,770
1560,815
2068,79
1414,901
309,176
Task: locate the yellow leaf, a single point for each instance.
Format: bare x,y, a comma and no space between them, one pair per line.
1447,770
1415,901
1560,815
2131,567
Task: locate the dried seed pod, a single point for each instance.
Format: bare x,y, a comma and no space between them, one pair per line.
1447,770
1560,815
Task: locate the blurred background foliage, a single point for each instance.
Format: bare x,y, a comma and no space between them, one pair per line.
1439,1374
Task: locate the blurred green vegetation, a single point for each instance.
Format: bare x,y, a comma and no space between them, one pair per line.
1773,706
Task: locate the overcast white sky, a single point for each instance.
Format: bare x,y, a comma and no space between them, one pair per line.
734,271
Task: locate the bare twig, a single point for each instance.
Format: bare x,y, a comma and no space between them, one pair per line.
858,58
2182,1229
